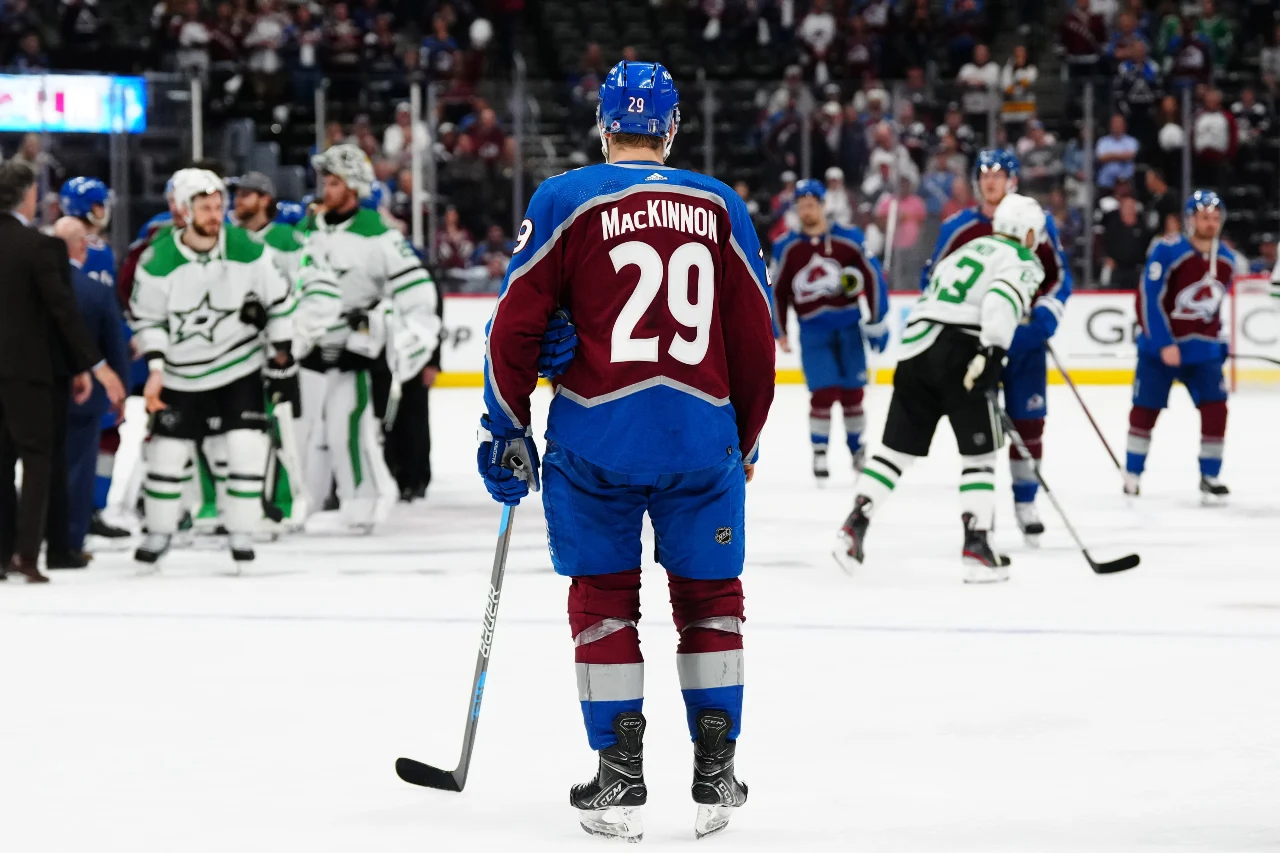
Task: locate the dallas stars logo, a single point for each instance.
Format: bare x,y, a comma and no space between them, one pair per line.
200,322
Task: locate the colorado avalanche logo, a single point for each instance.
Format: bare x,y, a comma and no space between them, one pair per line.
817,279
1200,302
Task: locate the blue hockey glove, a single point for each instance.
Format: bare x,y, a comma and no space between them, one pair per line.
559,343
877,334
508,462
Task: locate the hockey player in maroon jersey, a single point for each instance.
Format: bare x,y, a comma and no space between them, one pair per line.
823,270
1179,309
660,412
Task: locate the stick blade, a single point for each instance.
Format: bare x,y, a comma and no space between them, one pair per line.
417,773
1121,565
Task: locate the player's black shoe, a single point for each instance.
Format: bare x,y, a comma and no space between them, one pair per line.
715,789
983,563
1213,492
153,547
609,804
1029,522
820,469
99,527
848,552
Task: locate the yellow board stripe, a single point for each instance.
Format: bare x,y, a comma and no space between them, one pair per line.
884,376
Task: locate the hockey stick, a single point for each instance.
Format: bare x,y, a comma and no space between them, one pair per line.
417,773
269,508
1109,568
1066,377
1265,358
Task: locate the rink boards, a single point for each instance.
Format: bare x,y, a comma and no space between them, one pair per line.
1095,340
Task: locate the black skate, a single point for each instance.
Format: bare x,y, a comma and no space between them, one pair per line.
1029,522
99,527
983,563
715,789
241,545
609,804
820,470
848,552
1213,492
153,547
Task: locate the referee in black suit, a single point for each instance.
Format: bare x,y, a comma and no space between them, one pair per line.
45,350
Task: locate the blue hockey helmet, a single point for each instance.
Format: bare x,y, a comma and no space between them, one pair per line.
641,98
78,197
811,186
997,159
289,212
1203,200
308,200
378,195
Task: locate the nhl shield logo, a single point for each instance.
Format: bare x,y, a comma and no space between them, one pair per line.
724,535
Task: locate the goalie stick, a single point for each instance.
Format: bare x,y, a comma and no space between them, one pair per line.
417,773
1109,568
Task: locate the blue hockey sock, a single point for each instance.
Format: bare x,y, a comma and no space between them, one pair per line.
711,681
598,715
101,489
854,439
1134,463
1024,492
1210,467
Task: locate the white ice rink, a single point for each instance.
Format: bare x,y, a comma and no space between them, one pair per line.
895,711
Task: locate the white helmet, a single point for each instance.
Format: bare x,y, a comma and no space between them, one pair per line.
1016,215
189,184
348,163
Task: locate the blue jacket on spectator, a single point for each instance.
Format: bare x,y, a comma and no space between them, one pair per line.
101,313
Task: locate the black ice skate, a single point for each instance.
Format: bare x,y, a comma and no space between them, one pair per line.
241,548
153,547
820,469
715,789
99,527
1213,492
609,804
848,552
983,563
1029,522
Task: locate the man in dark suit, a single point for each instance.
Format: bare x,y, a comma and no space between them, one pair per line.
101,312
45,350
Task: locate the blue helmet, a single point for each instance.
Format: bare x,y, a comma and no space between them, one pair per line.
78,197
811,186
378,194
1203,200
308,200
638,97
991,159
289,212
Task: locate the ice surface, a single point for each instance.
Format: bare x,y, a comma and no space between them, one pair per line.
899,710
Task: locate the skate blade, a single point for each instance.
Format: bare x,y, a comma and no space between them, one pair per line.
614,822
711,819
981,573
1213,500
1032,539
846,561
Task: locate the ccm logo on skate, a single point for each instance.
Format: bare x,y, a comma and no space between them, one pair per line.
490,617
724,535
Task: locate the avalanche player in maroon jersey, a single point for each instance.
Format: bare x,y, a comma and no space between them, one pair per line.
822,270
1179,308
1024,379
660,412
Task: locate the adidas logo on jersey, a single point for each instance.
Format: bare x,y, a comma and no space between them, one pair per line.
655,177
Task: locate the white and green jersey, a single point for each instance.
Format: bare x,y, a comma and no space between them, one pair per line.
984,287
186,307
284,244
357,265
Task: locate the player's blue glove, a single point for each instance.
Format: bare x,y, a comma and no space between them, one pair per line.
559,343
877,334
508,462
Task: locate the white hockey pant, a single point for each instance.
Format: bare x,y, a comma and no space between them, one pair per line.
341,442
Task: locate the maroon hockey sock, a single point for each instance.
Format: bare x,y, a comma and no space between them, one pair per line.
603,612
708,613
1032,432
1213,432
820,403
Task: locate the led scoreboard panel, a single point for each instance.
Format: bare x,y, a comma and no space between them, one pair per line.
72,103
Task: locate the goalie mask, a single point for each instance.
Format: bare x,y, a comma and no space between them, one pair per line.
349,164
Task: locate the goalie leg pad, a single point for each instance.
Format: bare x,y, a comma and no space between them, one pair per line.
709,616
167,473
603,613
